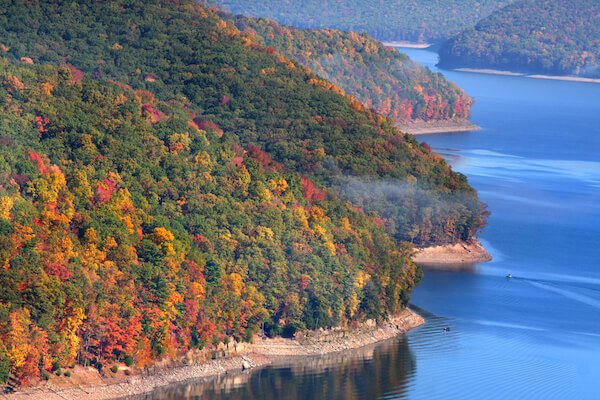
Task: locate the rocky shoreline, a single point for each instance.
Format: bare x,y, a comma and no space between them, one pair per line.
565,78
452,256
489,71
525,75
440,126
407,45
242,356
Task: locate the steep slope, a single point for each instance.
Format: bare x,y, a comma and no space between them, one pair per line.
412,20
138,223
552,37
379,77
182,49
129,233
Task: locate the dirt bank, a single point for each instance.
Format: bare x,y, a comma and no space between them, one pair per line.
88,383
524,75
338,339
407,45
565,78
452,256
489,71
440,126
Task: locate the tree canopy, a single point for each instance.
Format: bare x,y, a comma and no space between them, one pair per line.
168,182
381,78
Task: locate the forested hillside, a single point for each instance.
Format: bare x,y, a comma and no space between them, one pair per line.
379,77
166,182
185,51
554,37
128,231
428,21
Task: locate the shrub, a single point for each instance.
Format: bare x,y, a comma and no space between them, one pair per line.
128,360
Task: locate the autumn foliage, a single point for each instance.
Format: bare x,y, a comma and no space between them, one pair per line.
179,250
141,220
208,126
371,74
310,192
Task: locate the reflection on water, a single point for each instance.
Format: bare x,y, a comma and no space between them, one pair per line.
458,267
366,373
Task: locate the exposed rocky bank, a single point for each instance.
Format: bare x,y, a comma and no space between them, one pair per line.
90,384
452,255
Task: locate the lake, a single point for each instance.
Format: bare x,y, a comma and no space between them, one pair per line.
536,163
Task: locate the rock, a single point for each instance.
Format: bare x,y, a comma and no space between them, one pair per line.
246,365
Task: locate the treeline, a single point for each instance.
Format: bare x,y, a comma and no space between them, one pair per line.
553,37
379,77
172,183
429,21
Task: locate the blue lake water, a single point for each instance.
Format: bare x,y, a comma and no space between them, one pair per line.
536,163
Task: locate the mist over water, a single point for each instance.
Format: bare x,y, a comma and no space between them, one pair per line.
536,163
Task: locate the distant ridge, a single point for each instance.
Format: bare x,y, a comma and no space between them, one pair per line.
531,36
421,21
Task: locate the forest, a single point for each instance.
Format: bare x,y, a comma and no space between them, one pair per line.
551,37
304,122
167,182
423,21
381,78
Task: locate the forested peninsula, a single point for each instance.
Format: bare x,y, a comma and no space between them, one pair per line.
168,183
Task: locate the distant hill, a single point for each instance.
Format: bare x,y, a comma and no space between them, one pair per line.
169,183
551,37
428,21
380,77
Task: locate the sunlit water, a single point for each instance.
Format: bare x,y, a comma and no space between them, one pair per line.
536,163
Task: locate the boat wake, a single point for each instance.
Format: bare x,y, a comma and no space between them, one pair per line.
590,301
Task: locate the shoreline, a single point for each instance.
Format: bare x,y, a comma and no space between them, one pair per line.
247,356
525,75
441,126
407,45
565,78
489,71
452,256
